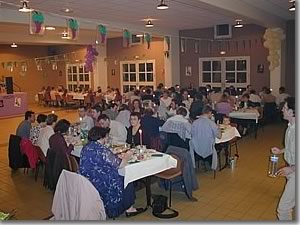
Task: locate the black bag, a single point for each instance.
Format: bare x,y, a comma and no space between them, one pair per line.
159,205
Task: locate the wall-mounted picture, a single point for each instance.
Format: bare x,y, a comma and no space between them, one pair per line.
188,71
260,68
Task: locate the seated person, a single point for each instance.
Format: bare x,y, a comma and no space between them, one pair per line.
172,108
86,122
35,131
24,127
204,133
268,97
46,132
137,106
111,111
246,103
151,128
165,99
179,125
57,141
135,134
95,113
100,166
196,107
117,133
224,106
124,115
253,97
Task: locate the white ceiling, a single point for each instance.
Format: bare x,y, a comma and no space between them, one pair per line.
182,14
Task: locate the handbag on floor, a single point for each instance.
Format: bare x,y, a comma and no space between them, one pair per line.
159,205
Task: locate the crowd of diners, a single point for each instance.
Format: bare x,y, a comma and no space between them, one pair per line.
137,118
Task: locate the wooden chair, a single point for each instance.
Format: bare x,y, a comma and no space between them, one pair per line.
170,174
74,167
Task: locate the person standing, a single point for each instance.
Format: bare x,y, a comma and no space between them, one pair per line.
287,200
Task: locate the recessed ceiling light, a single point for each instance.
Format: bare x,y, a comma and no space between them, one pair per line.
50,28
14,45
238,24
222,52
25,7
162,5
66,10
149,24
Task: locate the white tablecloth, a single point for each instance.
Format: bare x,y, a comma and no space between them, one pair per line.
154,165
249,114
229,134
136,171
77,96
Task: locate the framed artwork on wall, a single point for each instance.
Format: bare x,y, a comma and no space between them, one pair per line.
260,68
188,71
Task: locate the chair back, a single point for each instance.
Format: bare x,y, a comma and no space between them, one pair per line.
40,153
16,158
73,164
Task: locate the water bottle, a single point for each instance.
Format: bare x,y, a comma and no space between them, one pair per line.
273,164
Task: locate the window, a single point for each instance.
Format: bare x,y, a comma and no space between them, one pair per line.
137,74
221,72
77,77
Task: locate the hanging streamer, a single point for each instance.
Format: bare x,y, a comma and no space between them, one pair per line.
36,24
73,28
103,33
127,39
148,39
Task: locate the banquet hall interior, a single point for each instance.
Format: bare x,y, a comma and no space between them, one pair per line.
180,61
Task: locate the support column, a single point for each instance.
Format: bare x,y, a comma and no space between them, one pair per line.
275,76
172,64
100,70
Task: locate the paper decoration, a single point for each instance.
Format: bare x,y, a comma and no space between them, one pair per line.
10,66
73,28
54,65
38,64
148,39
273,38
103,33
24,67
37,25
188,71
127,39
182,45
90,57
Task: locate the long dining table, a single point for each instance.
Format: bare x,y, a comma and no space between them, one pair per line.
154,163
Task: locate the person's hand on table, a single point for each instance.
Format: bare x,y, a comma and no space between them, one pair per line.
285,171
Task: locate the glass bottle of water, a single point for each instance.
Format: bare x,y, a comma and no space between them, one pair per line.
273,165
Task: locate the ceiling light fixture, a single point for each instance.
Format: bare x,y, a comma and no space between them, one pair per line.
149,24
25,7
50,28
222,52
66,10
14,45
162,5
139,35
292,8
65,35
238,24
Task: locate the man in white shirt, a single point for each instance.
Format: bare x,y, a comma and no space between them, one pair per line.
86,122
281,97
117,133
287,200
46,133
253,97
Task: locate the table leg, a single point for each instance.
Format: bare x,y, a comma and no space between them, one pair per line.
148,191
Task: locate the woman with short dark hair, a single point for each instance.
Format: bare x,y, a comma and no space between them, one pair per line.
135,131
100,166
57,141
